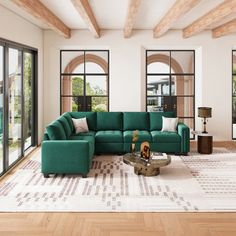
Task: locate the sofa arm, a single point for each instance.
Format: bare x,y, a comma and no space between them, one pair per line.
65,156
183,131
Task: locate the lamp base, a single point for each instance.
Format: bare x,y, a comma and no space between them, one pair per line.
204,126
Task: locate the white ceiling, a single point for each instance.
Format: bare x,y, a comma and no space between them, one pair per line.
66,11
110,14
12,7
151,12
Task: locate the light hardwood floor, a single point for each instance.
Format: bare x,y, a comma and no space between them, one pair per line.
119,224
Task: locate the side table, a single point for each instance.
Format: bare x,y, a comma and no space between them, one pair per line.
204,143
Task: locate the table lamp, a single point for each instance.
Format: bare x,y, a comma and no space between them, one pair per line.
204,112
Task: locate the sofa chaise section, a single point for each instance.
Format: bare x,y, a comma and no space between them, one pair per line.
63,151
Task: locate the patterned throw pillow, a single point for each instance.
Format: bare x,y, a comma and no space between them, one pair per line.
80,125
169,124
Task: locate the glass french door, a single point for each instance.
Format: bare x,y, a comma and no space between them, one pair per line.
1,108
14,104
17,104
28,61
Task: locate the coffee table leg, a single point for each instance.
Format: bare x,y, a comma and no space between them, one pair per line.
153,172
146,171
137,170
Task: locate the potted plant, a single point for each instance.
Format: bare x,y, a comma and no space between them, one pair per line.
134,140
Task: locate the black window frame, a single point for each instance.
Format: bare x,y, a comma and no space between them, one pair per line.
85,74
6,44
170,74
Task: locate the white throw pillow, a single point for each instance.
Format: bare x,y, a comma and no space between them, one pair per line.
169,124
80,125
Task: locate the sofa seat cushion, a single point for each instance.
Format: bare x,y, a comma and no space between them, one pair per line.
89,138
143,135
90,133
165,137
109,136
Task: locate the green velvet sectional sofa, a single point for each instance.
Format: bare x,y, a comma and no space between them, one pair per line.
64,152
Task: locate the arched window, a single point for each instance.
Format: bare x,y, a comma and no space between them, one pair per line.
84,80
170,83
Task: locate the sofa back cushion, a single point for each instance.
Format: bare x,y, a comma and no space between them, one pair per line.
55,131
45,136
109,121
65,125
156,119
136,121
91,118
69,119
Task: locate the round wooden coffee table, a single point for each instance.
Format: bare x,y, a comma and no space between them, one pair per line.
147,168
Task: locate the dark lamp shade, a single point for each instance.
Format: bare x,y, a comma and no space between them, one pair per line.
204,112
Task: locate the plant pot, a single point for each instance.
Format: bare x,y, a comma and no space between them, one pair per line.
132,147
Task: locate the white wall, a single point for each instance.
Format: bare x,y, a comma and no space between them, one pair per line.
17,29
127,71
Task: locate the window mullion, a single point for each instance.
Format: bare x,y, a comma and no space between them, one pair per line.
22,104
85,93
6,112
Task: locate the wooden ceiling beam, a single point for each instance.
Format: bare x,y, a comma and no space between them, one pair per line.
215,15
41,12
85,11
131,16
225,29
179,9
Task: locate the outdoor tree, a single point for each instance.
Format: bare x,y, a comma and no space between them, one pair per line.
98,103
27,95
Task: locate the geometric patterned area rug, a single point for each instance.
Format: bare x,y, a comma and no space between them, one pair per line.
194,183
